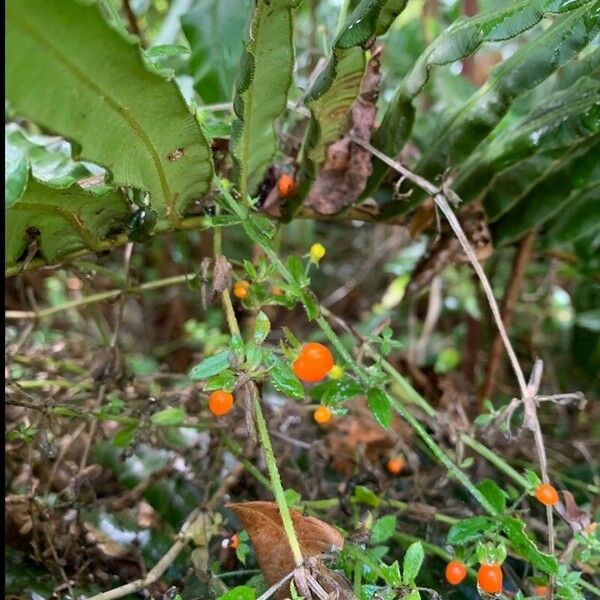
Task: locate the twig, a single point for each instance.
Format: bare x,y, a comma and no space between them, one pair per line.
113,343
133,23
528,390
511,294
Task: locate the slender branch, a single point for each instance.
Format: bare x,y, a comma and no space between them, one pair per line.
528,390
511,294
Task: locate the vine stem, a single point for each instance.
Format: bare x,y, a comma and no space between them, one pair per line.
407,389
278,492
263,432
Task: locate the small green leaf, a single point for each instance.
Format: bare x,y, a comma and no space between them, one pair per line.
237,347
225,380
210,366
282,377
169,416
363,495
253,355
296,268
414,594
380,405
124,436
383,529
413,559
515,532
261,327
242,592
493,494
311,305
391,574
469,529
292,497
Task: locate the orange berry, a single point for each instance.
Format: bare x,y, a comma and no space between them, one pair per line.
285,185
322,415
395,465
240,290
546,494
277,291
234,541
220,402
313,363
540,590
455,572
489,578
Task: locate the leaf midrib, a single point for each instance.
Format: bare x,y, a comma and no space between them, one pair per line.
122,111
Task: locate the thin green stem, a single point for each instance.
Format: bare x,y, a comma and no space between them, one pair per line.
495,460
284,511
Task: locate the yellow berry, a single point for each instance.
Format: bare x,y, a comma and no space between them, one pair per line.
317,252
336,372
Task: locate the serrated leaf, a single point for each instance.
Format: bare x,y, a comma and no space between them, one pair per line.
210,366
296,269
391,574
413,559
262,327
253,355
457,42
73,73
334,392
383,529
338,85
380,405
169,416
493,494
62,221
469,529
214,30
311,304
515,532
261,89
225,380
282,377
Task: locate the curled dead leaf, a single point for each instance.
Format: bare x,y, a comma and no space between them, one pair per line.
264,526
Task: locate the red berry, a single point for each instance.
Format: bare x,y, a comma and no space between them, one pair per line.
489,578
220,403
455,572
546,494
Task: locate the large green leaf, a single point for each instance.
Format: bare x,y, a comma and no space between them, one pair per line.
338,86
261,89
72,73
581,170
62,221
214,29
579,219
48,157
524,70
457,42
567,118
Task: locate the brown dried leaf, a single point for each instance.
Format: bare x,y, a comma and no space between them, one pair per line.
221,274
348,166
264,526
577,518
